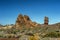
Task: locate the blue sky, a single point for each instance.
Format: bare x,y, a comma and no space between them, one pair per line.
35,9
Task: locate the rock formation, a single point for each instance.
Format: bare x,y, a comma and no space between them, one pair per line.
19,21
46,20
24,21
26,18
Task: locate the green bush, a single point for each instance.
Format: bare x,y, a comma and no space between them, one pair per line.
52,34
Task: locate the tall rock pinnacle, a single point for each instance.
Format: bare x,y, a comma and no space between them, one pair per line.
46,20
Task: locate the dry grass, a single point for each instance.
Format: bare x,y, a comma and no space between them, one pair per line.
9,38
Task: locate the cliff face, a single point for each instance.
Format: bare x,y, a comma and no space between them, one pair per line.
24,20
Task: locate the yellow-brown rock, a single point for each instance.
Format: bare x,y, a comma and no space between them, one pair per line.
24,20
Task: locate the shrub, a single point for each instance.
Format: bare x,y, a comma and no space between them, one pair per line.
52,34
34,37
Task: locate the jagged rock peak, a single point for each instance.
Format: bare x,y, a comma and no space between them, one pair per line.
26,17
20,16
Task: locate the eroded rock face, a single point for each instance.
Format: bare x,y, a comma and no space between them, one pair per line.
19,21
26,18
24,21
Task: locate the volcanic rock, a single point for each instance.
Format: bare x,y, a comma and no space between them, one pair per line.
24,21
46,20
